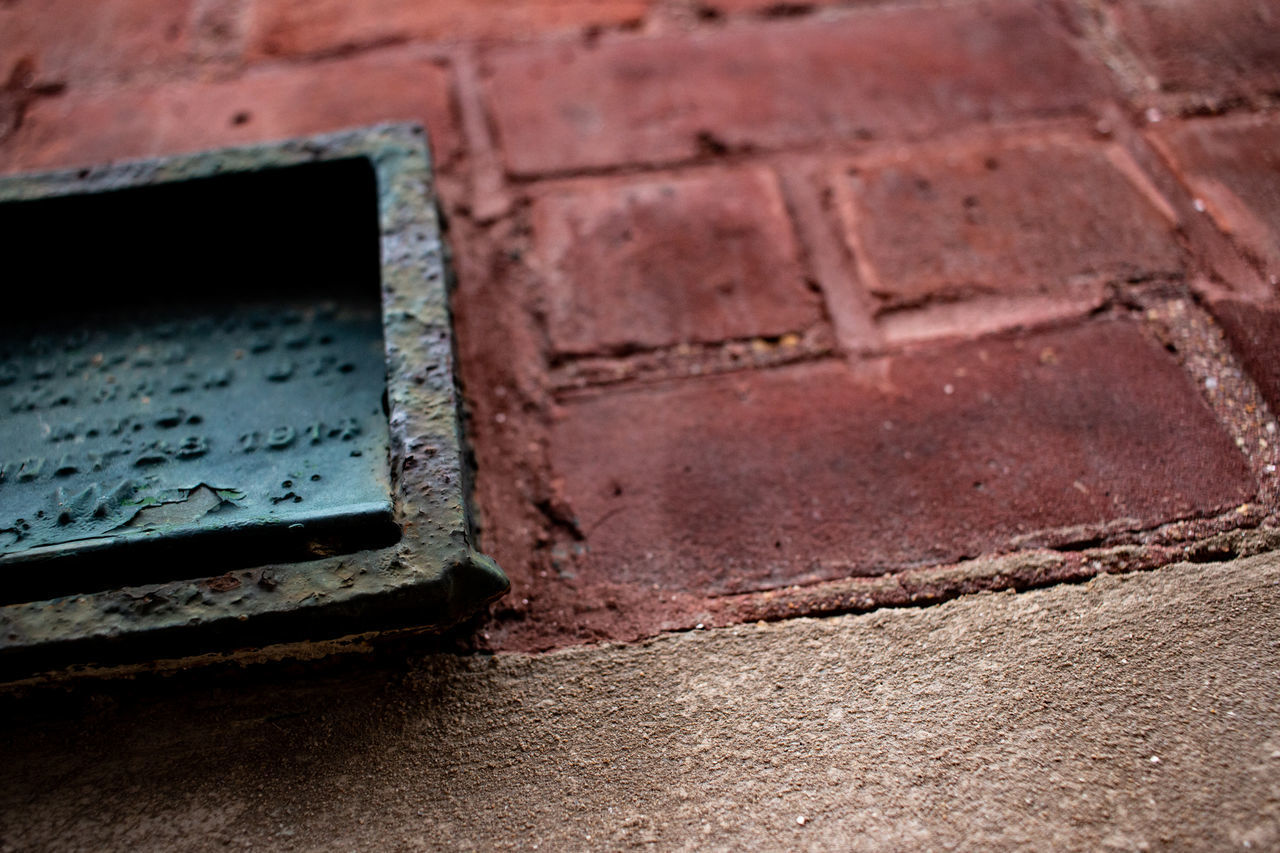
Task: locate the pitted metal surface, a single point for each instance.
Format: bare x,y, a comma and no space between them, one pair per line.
266,415
185,422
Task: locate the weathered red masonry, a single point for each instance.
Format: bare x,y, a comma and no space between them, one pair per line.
728,210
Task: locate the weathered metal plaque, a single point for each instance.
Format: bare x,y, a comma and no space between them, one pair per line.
229,415
194,426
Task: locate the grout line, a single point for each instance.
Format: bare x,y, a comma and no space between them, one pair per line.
1225,386
489,199
1124,163
1212,253
1075,127
978,316
588,374
1018,571
585,375
847,303
1101,41
1139,84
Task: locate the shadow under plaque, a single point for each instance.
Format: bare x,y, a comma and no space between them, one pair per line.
201,363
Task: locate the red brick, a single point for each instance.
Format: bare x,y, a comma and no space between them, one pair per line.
766,479
1254,333
82,128
1218,48
86,127
669,260
771,8
880,72
1234,170
1035,218
73,40
291,27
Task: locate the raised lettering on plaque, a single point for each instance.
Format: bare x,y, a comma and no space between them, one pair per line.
167,426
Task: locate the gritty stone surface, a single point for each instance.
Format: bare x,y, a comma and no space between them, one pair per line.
888,72
700,258
1033,218
86,126
815,472
300,27
1220,49
1233,169
1254,333
1131,712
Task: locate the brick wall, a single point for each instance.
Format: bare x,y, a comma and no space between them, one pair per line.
767,308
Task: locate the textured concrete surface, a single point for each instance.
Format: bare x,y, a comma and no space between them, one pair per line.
1133,712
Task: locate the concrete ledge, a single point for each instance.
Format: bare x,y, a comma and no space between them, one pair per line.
1130,712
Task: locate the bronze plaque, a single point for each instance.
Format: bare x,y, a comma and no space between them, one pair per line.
229,415
189,426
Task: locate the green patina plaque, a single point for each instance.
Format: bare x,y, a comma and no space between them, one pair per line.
196,429
228,407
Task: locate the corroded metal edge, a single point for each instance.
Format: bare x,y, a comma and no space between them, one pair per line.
432,578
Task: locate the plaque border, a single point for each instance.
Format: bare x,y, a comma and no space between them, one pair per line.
432,578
